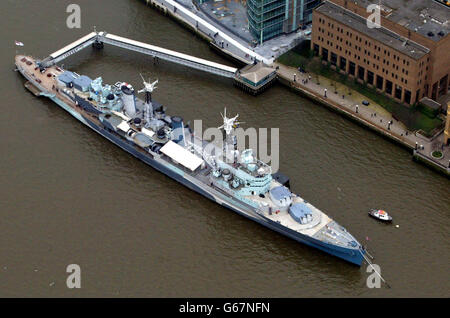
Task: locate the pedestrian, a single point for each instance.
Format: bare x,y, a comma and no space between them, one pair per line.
325,92
343,96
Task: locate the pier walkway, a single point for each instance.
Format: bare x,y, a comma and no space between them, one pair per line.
99,38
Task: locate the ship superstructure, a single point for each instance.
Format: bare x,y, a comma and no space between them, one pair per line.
237,180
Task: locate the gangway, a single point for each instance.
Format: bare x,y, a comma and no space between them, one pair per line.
98,38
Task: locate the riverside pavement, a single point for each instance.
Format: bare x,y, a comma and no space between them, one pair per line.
349,101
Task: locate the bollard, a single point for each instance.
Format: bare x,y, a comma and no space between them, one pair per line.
356,108
416,145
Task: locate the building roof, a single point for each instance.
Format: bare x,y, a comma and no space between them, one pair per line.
383,35
430,103
421,16
256,72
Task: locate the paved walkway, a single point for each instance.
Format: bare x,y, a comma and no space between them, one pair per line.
203,24
375,116
229,43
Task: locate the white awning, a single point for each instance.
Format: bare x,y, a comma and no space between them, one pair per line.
121,115
147,132
181,155
123,126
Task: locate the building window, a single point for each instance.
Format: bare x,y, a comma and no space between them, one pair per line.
316,49
407,96
398,92
361,72
333,58
343,63
324,54
370,76
379,82
351,68
389,87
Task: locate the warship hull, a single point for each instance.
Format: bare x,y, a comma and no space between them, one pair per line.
352,255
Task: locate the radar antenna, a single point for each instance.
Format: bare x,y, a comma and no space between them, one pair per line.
148,89
229,123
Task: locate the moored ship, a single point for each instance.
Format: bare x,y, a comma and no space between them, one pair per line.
243,184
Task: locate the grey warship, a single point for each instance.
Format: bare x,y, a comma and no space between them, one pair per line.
144,129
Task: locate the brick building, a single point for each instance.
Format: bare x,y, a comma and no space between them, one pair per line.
447,127
407,58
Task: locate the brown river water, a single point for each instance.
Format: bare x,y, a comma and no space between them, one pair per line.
68,196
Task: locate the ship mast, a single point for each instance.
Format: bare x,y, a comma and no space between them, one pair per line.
148,90
229,124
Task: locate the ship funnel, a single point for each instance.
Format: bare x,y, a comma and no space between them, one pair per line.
129,99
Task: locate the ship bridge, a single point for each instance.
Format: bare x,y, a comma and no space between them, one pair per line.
98,38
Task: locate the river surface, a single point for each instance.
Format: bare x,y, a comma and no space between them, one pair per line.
68,196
